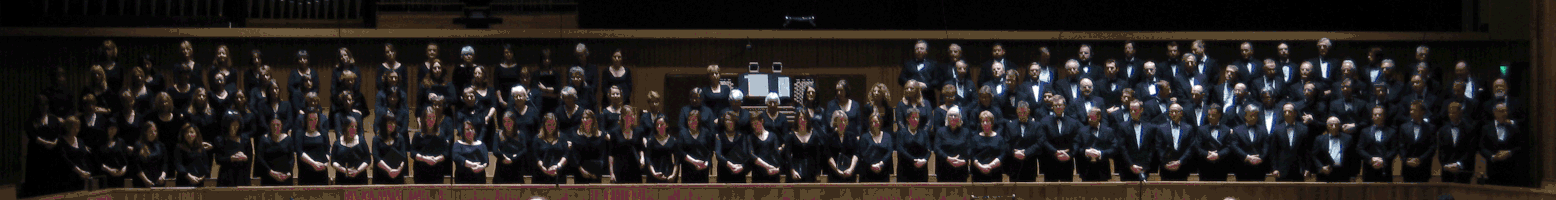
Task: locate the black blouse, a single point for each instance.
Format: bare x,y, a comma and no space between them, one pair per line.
469,152
662,157
700,147
766,150
507,77
226,147
951,142
275,155
871,152
427,144
590,152
805,155
351,156
151,159
513,148
734,149
842,150
78,156
114,154
390,154
913,145
624,82
316,147
984,149
551,153
191,161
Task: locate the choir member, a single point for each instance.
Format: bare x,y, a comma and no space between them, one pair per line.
766,143
571,113
432,67
913,145
470,154
1252,146
347,81
390,65
1083,57
661,163
585,90
704,115
464,72
618,76
433,82
1457,146
988,70
114,74
260,72
963,86
430,148
1417,146
1378,145
1172,67
511,149
547,81
349,156
94,125
1330,153
586,77
233,150
183,74
1214,140
804,149
1323,65
734,149
987,149
656,109
166,118
1111,85
303,80
150,160
1099,144
627,143
1136,148
509,73
1179,143
202,116
1289,160
313,144
1501,140
591,148
551,153
224,82
1249,68
76,155
1007,94
1060,134
697,146
716,94
276,155
189,160
843,152
1130,66
1037,87
920,68
1205,62
478,109
113,156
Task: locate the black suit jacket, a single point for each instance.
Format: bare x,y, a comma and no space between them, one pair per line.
1412,146
1490,144
1100,138
1289,154
1245,73
1183,150
1135,147
1460,149
1321,157
928,75
1368,146
1060,137
1221,142
986,70
1251,140
1318,72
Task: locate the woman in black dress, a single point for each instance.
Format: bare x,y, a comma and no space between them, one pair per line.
986,149
313,145
580,81
470,155
627,141
350,156
190,159
663,150
551,153
842,150
269,105
716,95
804,149
464,72
951,148
772,119
592,148
202,116
113,157
548,81
913,148
431,145
433,82
390,64
232,152
766,151
346,79
511,146
168,119
734,148
432,64
508,72
875,151
617,75
150,160
389,160
76,155
277,154
484,103
696,148
852,108
303,80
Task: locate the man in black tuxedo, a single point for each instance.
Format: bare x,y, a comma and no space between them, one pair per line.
1177,144
921,68
1189,76
1205,64
1289,155
1269,80
1326,68
1024,135
987,70
1088,99
1224,92
1037,87
1087,68
1069,86
1251,148
1156,100
1499,95
1215,142
1009,94
1377,147
1109,83
1059,145
1249,67
1173,65
1349,110
1117,114
1136,145
1097,142
1129,67
965,89
1418,144
1457,147
1331,152
1197,115
1503,146
1288,68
